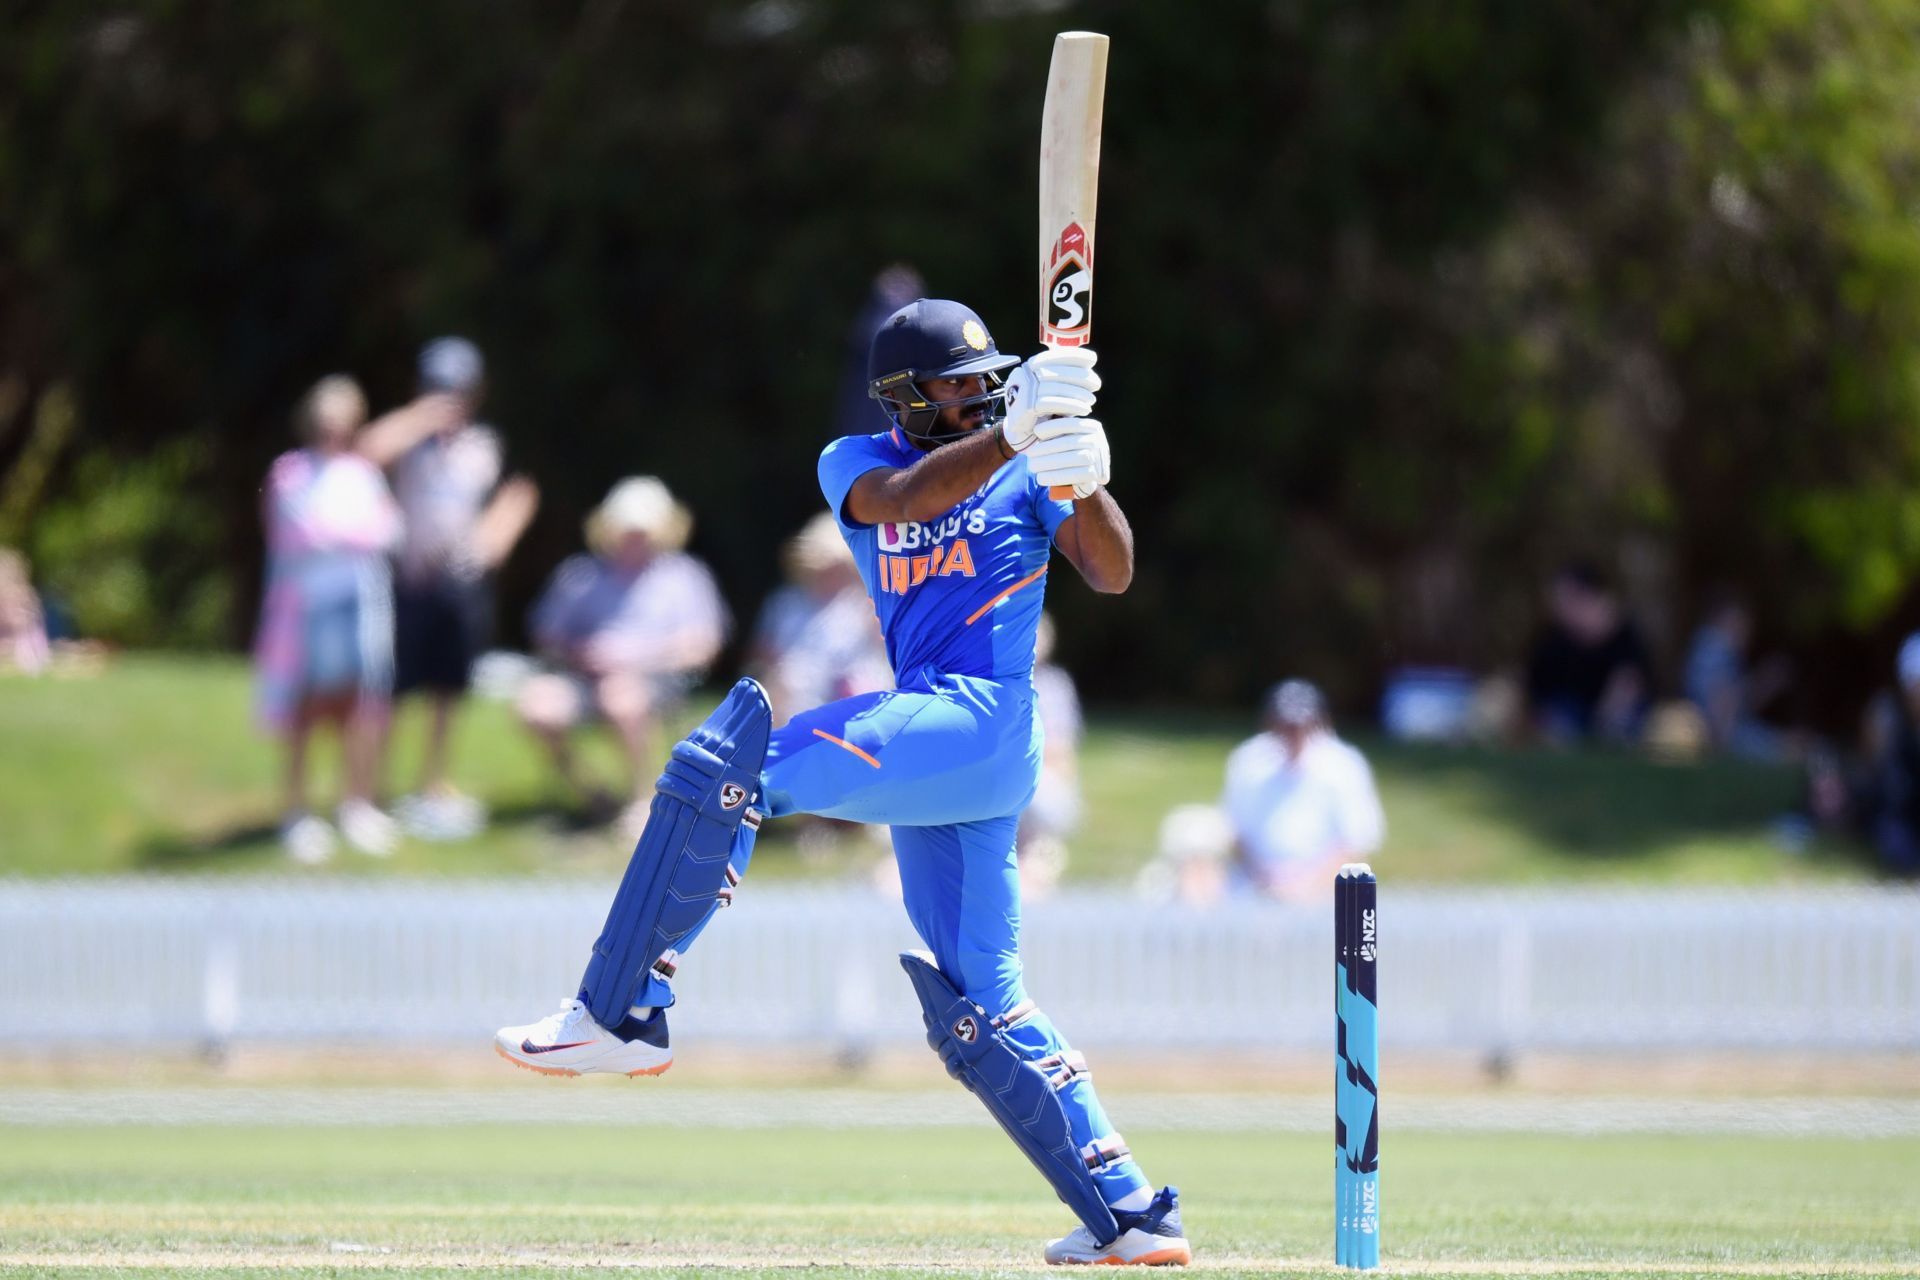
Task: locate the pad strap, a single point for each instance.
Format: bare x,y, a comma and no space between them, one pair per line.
1064,1068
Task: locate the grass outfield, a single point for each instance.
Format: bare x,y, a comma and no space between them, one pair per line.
154,766
494,1201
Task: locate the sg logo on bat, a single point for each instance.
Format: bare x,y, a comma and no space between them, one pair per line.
1069,290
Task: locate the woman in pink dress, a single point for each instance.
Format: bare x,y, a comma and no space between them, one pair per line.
325,648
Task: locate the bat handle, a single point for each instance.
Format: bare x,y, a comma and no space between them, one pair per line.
1060,492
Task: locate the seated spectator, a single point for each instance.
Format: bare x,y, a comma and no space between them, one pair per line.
817,639
1589,675
1053,815
23,625
461,522
627,630
1196,841
1889,799
325,648
1300,801
1726,689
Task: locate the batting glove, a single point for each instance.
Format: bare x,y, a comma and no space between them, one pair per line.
1071,453
1057,383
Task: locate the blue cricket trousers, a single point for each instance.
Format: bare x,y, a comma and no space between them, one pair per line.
948,762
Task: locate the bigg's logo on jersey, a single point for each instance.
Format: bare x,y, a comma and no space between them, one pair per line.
909,554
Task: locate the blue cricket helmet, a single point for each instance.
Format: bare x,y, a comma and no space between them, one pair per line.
932,338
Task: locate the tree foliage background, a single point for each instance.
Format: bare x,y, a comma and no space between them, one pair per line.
1399,304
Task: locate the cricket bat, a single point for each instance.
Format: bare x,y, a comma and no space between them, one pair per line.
1070,191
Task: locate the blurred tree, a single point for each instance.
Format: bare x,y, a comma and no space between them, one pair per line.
1399,302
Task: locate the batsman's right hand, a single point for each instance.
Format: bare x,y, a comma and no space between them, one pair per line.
1057,383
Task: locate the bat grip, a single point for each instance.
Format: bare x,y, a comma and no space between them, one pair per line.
1060,492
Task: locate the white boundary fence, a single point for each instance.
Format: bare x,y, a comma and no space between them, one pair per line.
155,962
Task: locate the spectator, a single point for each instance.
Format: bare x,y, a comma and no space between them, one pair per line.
1196,841
817,638
1300,800
1725,689
461,523
23,625
325,646
1889,802
1589,674
627,629
1055,811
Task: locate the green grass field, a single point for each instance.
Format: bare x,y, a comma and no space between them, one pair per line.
497,1201
154,766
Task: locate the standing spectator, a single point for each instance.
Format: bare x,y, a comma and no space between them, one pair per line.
325,647
1301,801
1589,674
1054,812
817,639
461,523
627,629
23,626
1727,690
1890,799
856,412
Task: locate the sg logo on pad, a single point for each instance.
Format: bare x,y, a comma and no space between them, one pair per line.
966,1030
731,794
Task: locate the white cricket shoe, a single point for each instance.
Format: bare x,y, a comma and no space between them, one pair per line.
307,839
572,1043
1150,1238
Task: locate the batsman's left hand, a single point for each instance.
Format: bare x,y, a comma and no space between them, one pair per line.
1071,453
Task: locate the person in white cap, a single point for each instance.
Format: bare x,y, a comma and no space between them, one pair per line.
1196,843
461,524
1301,801
627,629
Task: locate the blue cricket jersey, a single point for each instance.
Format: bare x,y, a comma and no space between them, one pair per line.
962,593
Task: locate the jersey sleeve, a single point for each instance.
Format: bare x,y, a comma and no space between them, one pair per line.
843,462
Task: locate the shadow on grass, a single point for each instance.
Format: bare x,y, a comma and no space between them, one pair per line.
176,851
251,845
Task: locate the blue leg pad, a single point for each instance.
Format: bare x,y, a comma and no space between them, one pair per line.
1016,1091
680,868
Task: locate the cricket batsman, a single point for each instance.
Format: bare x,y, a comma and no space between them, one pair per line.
950,521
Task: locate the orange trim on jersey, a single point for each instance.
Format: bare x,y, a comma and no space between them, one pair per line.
896,438
976,615
842,742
